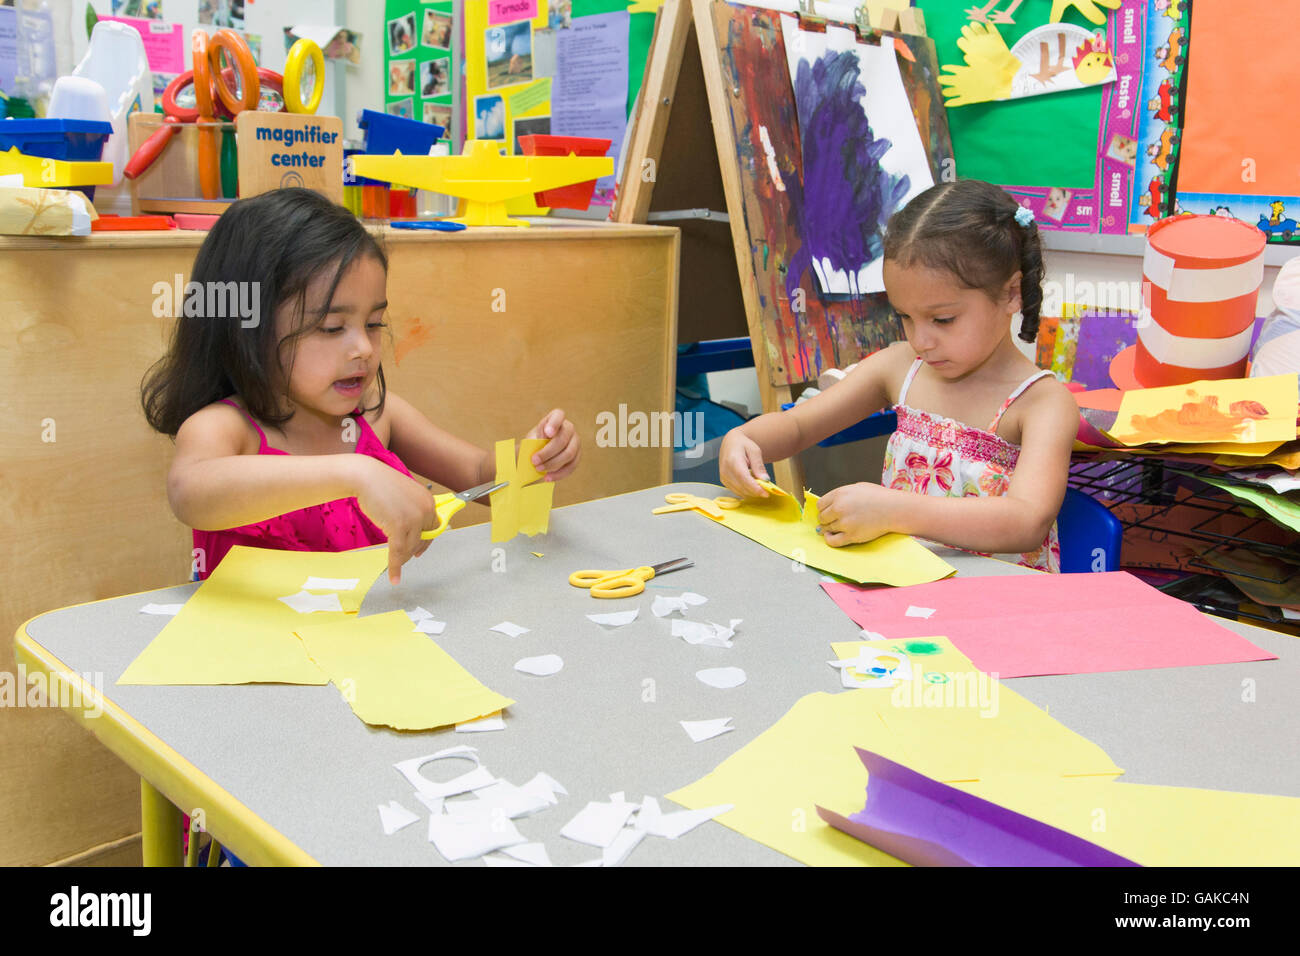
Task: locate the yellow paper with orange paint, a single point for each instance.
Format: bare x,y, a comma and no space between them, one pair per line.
520,506
236,630
393,676
1238,410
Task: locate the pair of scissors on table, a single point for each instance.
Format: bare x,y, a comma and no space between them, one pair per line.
448,504
625,583
681,501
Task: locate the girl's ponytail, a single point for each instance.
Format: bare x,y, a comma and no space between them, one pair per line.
1031,280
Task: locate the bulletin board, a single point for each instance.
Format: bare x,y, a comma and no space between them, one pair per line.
419,80
1070,155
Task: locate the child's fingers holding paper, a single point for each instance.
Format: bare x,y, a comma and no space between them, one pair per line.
560,456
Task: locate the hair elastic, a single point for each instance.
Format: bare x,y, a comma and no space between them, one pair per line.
1024,216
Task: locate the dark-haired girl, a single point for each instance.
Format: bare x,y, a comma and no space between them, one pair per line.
286,436
980,456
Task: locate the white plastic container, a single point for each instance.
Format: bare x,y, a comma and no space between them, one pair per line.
116,61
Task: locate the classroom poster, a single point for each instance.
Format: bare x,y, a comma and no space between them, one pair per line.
1068,155
1238,147
419,62
1164,90
589,97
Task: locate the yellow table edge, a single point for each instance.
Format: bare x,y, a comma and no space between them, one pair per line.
247,835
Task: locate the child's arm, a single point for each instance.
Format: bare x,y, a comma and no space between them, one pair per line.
457,464
1015,522
217,481
779,435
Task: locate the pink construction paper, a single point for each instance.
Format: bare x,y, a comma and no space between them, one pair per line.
164,43
508,11
1035,624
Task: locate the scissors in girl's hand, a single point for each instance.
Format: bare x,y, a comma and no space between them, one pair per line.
625,583
448,504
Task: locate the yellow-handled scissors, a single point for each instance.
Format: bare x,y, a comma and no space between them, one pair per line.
625,583
448,504
681,501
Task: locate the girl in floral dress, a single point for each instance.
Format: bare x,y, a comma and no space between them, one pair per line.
980,457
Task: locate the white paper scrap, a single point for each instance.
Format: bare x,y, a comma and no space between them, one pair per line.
429,626
545,786
624,843
722,677
418,615
872,635
508,629
331,584
305,603
459,837
616,618
496,859
705,729
673,825
914,611
708,634
393,817
530,853
693,599
170,610
503,795
543,666
478,777
663,605
432,804
481,724
598,824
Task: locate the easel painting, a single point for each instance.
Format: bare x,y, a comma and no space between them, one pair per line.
831,225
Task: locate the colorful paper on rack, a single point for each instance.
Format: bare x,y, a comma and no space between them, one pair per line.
1245,410
1280,508
777,523
236,630
1038,624
927,823
939,729
394,676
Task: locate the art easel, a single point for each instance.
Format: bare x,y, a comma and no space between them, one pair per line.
682,166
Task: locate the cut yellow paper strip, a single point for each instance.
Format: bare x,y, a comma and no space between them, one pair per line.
807,757
1234,410
517,508
396,677
777,523
1154,825
236,630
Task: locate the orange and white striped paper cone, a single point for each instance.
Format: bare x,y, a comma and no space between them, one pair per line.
1200,284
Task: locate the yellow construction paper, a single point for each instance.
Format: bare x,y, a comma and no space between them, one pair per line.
808,757
235,630
1235,410
778,524
1157,826
518,509
394,676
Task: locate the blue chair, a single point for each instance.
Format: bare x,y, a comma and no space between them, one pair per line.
1090,534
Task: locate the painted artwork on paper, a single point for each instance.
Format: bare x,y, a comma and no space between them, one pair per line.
862,154
805,330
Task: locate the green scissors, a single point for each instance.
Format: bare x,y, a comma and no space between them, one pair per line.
448,504
625,583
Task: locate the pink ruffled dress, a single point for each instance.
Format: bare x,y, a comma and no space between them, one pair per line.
333,526
932,455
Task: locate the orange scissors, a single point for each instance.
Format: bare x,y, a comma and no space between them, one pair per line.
625,583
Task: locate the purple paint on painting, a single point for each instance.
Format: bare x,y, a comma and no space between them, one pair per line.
847,196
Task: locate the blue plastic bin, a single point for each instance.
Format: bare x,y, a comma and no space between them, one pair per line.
78,141
386,134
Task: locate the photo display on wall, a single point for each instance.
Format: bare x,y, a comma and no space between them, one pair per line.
419,57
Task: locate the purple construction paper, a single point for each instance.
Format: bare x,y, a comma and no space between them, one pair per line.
928,823
1102,336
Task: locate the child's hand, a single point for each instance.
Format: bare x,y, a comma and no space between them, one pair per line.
854,513
401,506
559,456
740,462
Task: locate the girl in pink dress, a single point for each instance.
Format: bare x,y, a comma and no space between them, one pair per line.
980,457
286,436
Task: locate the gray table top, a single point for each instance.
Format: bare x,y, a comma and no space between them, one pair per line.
299,759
